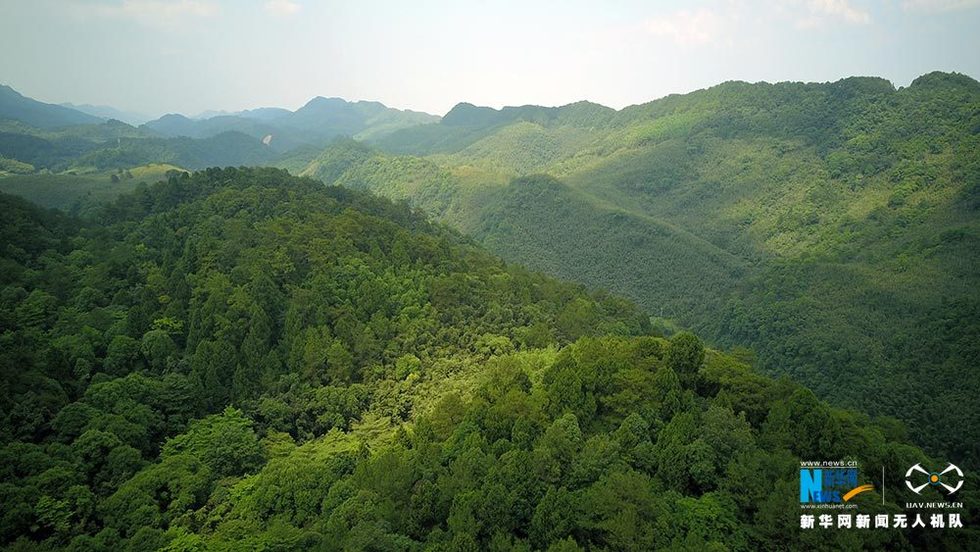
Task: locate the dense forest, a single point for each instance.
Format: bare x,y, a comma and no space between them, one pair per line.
832,228
242,359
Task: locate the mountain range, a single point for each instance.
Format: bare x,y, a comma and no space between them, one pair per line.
828,228
348,327
320,120
63,137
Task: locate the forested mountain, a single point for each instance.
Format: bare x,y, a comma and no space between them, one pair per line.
320,120
832,228
225,149
116,145
829,227
467,124
241,359
39,114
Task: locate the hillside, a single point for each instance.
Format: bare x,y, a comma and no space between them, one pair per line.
31,112
39,138
225,149
565,231
830,227
83,194
241,359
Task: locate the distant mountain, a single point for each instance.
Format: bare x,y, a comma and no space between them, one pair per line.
208,113
316,123
109,112
174,124
265,113
58,148
116,145
15,106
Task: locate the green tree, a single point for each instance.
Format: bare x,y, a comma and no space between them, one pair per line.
685,355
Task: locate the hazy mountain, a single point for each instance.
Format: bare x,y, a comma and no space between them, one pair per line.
207,114
174,124
116,145
265,113
39,114
317,122
108,112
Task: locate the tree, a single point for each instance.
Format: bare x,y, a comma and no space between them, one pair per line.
121,355
224,442
340,363
157,347
554,517
685,355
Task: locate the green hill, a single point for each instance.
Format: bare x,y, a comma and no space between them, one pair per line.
467,124
116,145
226,149
241,359
832,228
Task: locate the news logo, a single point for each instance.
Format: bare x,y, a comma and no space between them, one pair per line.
830,482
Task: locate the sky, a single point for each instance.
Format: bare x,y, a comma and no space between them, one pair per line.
189,56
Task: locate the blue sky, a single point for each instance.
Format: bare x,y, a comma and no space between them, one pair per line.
159,56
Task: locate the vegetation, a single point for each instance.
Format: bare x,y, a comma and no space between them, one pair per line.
241,359
83,192
229,148
116,145
831,228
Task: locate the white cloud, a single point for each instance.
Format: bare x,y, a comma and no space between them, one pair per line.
841,9
934,6
154,12
282,7
686,27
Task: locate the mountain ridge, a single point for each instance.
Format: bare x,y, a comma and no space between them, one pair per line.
14,105
316,122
